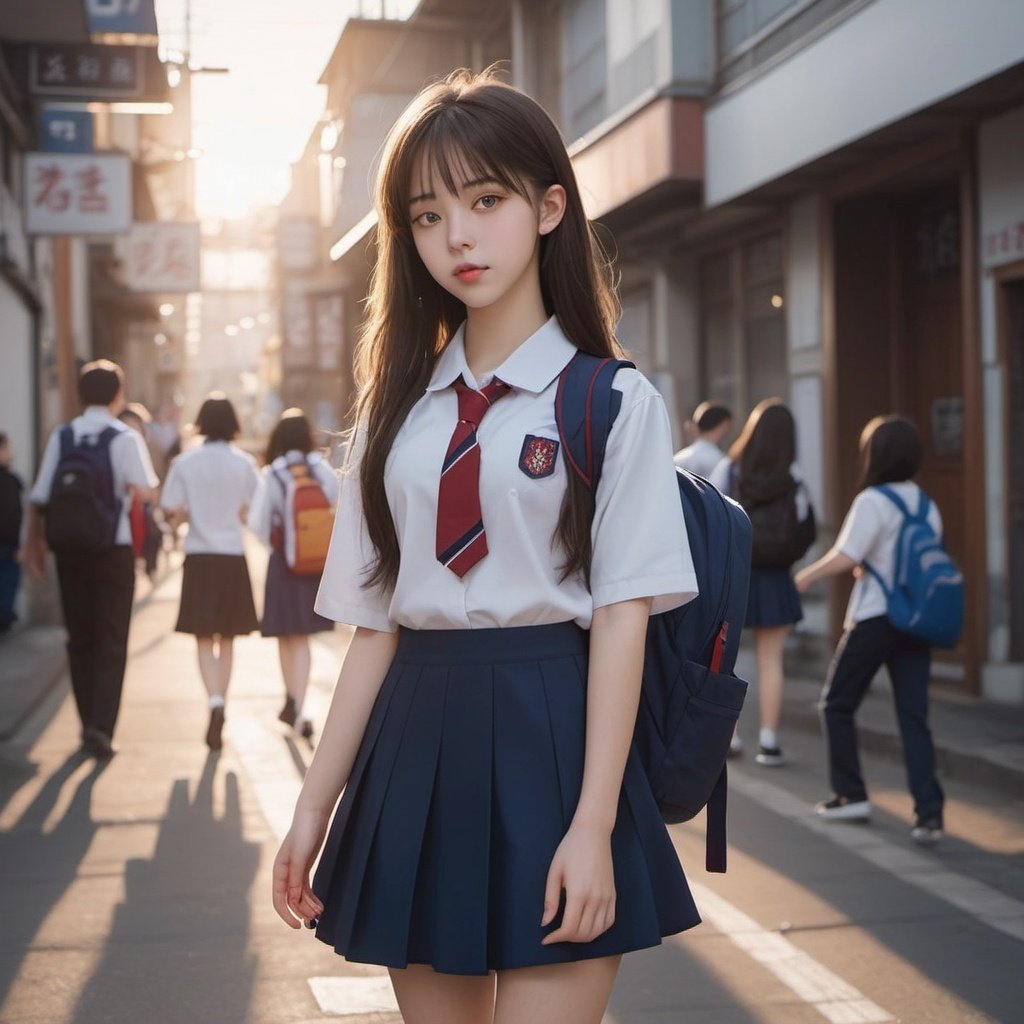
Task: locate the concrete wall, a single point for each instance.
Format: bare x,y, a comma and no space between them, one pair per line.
883,63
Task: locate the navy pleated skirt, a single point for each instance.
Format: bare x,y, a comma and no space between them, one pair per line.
288,602
772,599
465,783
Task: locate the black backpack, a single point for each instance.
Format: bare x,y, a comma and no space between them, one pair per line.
83,511
780,536
690,699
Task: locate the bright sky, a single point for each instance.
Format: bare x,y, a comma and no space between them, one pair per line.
251,123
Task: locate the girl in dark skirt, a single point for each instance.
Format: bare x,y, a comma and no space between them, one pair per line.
211,487
497,845
288,612
760,470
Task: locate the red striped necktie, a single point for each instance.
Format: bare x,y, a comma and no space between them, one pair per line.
461,541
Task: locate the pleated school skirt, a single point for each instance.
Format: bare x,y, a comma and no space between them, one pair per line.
288,602
772,599
465,783
216,596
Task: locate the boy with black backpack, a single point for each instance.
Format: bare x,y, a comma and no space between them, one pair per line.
79,509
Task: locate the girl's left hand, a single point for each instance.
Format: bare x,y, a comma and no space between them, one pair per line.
582,866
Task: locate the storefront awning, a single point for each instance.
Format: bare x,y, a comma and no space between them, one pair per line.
56,21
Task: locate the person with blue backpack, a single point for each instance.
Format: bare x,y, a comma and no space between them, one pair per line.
907,598
79,507
497,846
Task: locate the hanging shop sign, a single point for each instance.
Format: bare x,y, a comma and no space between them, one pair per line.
77,193
128,17
160,256
86,71
65,131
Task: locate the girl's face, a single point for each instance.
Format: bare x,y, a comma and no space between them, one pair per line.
480,243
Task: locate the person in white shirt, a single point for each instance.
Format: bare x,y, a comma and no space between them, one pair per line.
712,422
492,822
891,456
212,486
96,583
288,612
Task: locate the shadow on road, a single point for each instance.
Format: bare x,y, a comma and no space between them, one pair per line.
38,868
178,948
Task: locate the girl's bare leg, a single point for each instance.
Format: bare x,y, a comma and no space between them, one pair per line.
225,659
770,643
426,997
209,666
573,993
295,662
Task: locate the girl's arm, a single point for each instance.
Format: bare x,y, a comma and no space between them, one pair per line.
832,563
582,865
369,656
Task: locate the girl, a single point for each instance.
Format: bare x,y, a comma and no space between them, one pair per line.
211,486
890,454
760,469
497,846
288,602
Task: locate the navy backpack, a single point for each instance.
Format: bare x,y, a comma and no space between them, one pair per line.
690,699
927,595
83,511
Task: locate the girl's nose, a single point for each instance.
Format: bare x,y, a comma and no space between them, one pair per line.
458,234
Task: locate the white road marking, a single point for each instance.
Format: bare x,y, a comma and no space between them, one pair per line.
836,1000
349,997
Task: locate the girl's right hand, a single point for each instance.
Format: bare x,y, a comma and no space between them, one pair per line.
294,900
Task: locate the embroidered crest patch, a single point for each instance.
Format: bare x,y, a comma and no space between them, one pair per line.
537,459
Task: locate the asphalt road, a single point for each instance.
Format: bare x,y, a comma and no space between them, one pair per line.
139,891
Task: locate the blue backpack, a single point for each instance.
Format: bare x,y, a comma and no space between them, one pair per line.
83,511
690,699
927,595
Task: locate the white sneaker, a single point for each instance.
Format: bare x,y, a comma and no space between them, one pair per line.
735,746
840,808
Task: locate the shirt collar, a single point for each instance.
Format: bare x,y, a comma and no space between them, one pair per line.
100,414
531,367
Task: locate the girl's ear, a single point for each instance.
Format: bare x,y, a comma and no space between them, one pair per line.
551,209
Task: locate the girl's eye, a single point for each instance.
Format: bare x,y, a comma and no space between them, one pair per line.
489,202
425,219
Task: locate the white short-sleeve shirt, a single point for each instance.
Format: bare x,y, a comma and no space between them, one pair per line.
701,457
129,462
869,534
268,503
640,548
214,482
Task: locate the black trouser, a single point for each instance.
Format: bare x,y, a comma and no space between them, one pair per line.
861,653
96,594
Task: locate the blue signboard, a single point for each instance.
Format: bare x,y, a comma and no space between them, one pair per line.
65,131
137,17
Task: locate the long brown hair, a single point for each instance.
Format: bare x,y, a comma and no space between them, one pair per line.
292,433
890,451
766,446
468,127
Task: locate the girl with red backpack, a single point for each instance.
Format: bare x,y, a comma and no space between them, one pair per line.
290,586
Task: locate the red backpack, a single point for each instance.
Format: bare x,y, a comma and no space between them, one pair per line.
308,520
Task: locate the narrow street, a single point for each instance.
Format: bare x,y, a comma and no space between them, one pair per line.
139,890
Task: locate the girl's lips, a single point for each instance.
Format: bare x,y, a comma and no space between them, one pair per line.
468,274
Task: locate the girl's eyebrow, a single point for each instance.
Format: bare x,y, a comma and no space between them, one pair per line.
426,196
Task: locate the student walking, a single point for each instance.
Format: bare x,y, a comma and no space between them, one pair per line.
890,458
290,592
90,471
11,489
147,537
211,487
494,821
760,472
712,422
